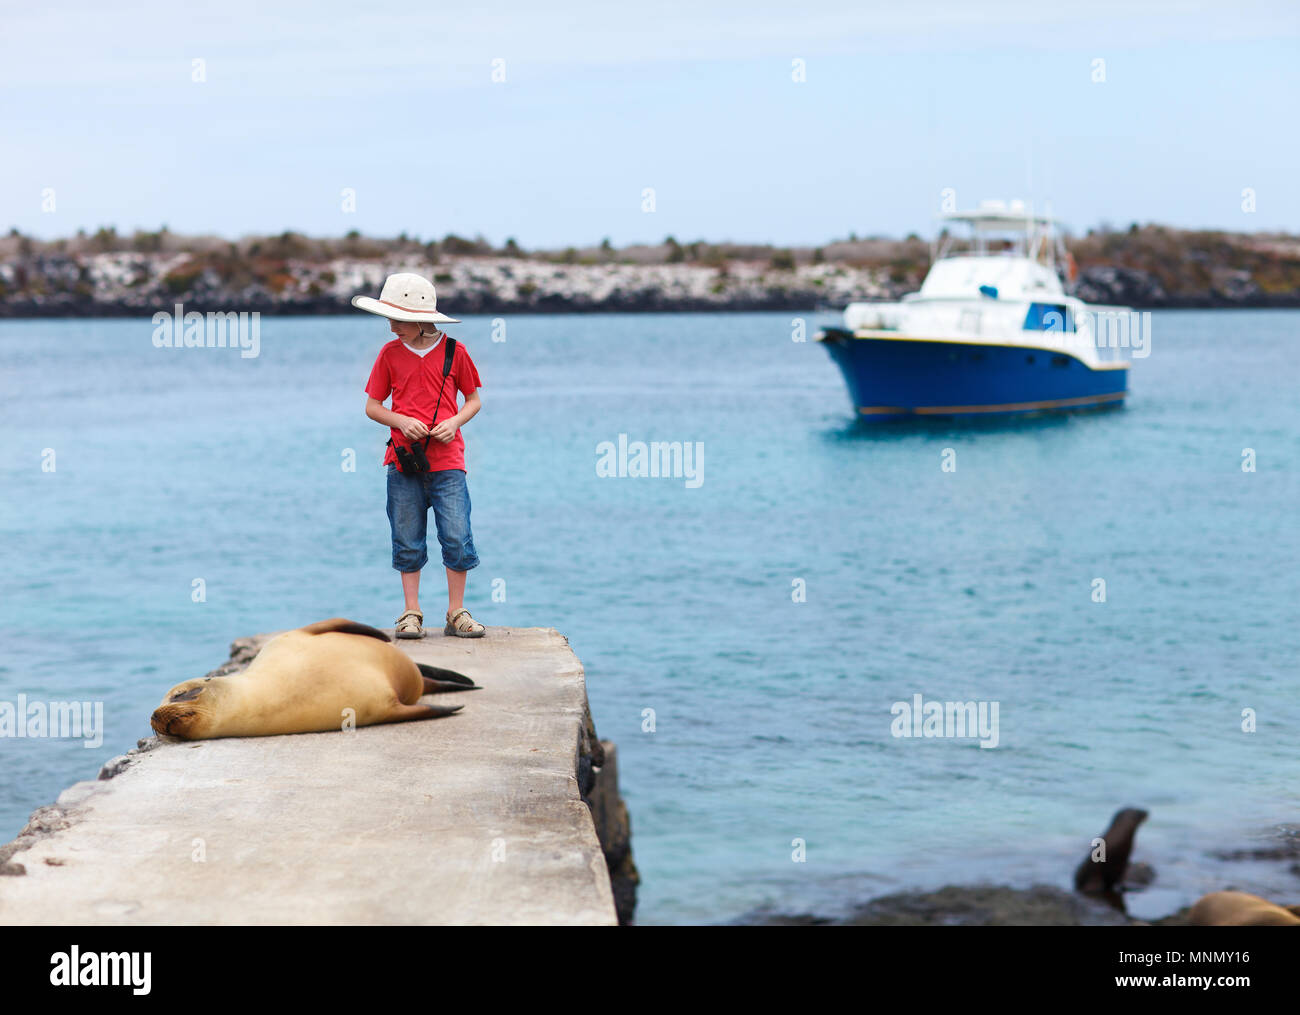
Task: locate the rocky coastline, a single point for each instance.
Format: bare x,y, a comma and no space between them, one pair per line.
1275,861
110,276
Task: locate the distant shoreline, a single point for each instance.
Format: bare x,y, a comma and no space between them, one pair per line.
106,275
323,308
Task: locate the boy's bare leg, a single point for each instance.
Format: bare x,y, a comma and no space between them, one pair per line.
411,589
455,590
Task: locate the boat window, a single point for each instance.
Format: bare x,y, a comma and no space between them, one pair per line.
1049,317
1060,361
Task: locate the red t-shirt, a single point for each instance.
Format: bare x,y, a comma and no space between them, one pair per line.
414,382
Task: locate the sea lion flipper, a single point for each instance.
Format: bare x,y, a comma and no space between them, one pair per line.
445,680
444,687
342,625
410,713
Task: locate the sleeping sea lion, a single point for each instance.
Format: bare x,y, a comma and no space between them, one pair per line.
1103,876
1238,909
304,681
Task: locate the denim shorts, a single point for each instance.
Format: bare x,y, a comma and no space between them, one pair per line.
409,500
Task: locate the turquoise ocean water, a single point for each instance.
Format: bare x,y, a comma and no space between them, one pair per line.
771,718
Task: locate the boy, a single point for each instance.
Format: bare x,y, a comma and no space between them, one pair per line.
423,368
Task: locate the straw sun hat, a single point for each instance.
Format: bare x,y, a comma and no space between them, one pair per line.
405,297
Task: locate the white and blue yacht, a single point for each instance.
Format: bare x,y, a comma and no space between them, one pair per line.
990,332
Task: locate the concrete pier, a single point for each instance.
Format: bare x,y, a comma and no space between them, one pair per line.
485,817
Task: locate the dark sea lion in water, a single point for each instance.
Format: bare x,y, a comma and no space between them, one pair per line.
309,681
1239,909
1103,875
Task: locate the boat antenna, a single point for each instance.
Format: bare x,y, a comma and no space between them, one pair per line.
1029,170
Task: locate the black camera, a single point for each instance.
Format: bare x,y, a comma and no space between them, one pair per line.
412,459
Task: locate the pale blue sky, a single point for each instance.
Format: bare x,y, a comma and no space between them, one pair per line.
602,100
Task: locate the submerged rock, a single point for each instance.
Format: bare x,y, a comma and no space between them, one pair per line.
964,906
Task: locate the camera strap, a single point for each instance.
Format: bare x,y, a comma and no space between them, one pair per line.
446,369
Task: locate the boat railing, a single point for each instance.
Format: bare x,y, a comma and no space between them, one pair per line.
981,252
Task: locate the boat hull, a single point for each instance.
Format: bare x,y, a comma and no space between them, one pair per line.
896,378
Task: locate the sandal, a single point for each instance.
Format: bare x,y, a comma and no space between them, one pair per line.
462,625
408,624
